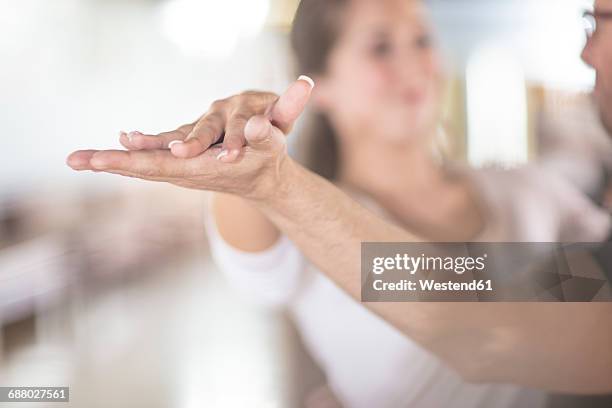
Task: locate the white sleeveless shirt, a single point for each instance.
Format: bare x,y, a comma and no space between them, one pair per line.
369,363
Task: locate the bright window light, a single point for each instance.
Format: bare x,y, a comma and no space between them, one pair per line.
212,28
497,109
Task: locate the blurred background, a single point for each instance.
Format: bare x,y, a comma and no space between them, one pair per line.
106,285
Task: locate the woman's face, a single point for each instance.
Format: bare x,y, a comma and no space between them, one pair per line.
384,74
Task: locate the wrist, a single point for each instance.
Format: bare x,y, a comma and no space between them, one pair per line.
274,184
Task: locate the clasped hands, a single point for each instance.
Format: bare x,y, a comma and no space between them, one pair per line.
237,147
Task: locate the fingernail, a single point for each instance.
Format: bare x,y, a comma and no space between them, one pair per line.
122,133
132,134
308,79
174,142
223,154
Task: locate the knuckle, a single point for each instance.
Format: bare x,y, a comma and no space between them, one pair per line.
250,93
240,103
206,131
185,129
201,126
218,105
150,172
257,100
213,118
240,119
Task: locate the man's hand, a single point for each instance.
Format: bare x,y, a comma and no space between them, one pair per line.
249,163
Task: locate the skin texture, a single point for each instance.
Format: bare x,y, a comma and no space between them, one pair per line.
557,347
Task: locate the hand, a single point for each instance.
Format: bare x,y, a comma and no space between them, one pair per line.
225,120
249,164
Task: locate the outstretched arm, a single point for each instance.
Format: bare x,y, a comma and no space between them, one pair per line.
557,347
561,347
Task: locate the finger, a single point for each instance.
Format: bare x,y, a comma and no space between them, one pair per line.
205,133
125,140
181,177
143,164
137,176
291,104
234,139
261,135
80,159
139,141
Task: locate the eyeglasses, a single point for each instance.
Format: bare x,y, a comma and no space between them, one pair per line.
591,18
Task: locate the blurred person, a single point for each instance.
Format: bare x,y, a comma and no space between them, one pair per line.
497,343
378,114
598,54
377,119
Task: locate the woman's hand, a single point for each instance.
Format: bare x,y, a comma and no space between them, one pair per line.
249,164
225,121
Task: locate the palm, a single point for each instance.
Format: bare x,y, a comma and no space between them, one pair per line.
198,165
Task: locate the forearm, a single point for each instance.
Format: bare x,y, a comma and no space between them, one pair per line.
242,225
494,342
329,226
326,224
265,267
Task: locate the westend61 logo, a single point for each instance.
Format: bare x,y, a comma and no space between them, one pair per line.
412,264
483,272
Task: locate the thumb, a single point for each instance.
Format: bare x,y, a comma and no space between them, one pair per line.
291,104
261,135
